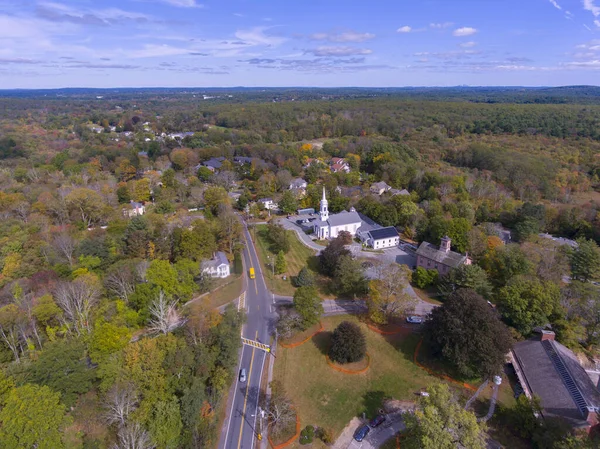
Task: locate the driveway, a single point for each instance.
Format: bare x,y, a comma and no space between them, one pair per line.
290,225
381,434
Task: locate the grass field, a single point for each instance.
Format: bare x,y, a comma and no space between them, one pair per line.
297,257
327,398
225,291
330,399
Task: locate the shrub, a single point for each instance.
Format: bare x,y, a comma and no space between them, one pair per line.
325,435
423,278
305,278
348,343
307,435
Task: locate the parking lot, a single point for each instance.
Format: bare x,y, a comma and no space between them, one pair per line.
381,434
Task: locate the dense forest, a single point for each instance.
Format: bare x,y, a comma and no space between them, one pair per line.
99,318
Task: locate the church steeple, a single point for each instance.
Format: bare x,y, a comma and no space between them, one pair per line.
324,212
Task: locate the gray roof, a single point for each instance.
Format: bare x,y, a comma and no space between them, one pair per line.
381,185
399,192
214,163
553,373
219,259
297,183
451,258
265,200
560,240
135,205
344,218
243,160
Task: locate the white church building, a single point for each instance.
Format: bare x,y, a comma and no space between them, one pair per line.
329,226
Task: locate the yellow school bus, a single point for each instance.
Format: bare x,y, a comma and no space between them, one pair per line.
252,276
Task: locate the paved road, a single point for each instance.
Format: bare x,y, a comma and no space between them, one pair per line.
240,424
291,226
381,434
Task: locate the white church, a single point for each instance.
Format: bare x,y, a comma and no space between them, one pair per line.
329,226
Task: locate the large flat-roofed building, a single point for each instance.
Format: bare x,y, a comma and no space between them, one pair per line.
550,371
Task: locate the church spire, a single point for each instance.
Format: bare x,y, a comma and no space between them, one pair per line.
324,212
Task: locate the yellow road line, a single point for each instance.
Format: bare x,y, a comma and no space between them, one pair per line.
246,395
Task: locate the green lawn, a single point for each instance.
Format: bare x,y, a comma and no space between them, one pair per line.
225,291
327,398
297,257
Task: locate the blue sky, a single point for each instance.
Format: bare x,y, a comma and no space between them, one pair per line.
196,43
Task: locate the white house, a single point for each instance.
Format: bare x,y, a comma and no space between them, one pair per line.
298,186
268,203
329,226
381,238
379,188
339,164
217,267
134,209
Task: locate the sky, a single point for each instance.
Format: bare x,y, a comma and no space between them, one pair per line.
328,43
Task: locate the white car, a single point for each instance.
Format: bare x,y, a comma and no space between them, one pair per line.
243,375
414,319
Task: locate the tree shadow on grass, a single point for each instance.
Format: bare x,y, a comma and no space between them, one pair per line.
373,402
321,341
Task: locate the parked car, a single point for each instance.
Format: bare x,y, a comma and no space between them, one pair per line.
312,219
414,319
243,375
299,221
361,433
378,420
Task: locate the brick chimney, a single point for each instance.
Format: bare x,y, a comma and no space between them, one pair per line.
445,244
547,335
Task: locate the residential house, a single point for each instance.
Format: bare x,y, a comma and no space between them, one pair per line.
214,164
242,160
395,192
442,259
312,161
379,188
339,164
268,203
134,209
552,372
560,240
298,186
96,129
381,238
217,267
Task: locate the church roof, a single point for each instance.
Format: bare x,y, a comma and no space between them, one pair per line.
344,218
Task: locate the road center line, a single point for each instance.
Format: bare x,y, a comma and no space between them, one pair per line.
246,395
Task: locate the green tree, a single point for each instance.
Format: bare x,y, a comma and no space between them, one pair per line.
466,332
204,174
86,205
214,197
108,338
32,418
529,302
165,425
280,263
308,305
197,243
288,202
440,422
278,237
62,366
164,276
423,278
348,343
305,278
329,257
466,276
349,278
585,261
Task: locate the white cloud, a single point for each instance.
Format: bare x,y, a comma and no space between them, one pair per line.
347,36
589,5
183,3
257,36
404,29
339,51
440,26
597,23
555,4
464,31
469,44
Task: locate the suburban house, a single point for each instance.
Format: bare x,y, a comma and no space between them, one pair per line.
560,240
241,160
339,164
395,192
268,203
381,238
298,186
379,188
329,226
134,209
442,259
217,267
547,369
214,164
312,161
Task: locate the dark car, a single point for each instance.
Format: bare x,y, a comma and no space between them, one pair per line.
377,421
361,433
299,221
